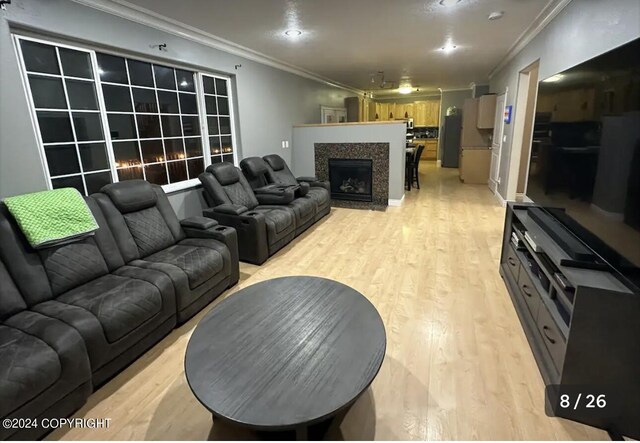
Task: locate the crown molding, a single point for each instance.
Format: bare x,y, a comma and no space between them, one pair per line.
469,88
134,13
553,8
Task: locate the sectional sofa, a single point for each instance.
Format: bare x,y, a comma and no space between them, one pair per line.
73,316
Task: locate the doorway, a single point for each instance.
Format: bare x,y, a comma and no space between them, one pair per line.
525,108
496,143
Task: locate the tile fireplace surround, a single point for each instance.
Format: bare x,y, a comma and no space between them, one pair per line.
378,153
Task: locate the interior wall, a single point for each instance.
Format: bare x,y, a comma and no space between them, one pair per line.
268,100
393,133
450,98
581,31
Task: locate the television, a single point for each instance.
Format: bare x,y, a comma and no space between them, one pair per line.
584,168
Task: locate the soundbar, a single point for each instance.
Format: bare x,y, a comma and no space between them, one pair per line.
565,239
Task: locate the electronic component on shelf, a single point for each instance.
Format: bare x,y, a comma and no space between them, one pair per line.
563,282
532,243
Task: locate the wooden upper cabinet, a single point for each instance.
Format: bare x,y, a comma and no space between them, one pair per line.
409,109
486,111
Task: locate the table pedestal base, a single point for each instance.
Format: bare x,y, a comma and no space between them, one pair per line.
316,431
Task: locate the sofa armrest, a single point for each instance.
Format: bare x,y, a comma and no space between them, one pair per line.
230,209
251,231
315,183
198,222
223,234
275,195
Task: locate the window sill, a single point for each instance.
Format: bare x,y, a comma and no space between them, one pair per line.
181,186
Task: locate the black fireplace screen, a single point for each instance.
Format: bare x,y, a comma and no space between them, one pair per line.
350,179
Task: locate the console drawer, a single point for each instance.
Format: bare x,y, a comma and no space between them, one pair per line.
512,262
529,292
551,336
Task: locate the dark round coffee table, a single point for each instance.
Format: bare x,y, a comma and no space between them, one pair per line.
290,353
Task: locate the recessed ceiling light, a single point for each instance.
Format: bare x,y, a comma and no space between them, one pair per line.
449,47
497,15
449,2
553,78
293,33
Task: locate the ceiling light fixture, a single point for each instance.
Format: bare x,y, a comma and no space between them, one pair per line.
497,15
553,78
449,2
449,47
293,33
405,87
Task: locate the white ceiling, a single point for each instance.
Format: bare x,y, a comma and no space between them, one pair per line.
349,40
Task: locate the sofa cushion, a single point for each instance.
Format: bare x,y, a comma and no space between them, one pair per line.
320,196
149,230
29,366
72,264
120,304
225,173
275,161
131,195
280,218
11,301
198,263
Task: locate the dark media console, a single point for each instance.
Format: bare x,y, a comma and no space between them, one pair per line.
583,325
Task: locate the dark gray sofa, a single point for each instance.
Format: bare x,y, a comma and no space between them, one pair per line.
75,315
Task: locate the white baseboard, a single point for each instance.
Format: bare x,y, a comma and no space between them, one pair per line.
395,201
613,216
501,200
439,163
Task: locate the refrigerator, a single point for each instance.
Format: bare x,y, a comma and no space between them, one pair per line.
451,141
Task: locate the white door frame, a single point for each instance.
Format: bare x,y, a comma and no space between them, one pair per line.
498,119
519,120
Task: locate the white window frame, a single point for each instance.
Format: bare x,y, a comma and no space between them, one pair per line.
199,92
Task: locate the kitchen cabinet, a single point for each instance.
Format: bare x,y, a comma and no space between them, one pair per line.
471,135
486,112
409,110
430,152
475,164
426,113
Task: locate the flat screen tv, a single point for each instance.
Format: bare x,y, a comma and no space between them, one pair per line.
585,156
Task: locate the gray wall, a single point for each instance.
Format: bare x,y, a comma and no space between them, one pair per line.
450,98
268,101
583,30
392,133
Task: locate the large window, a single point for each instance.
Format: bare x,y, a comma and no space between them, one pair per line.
102,117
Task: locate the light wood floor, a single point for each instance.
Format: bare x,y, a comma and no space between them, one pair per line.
458,365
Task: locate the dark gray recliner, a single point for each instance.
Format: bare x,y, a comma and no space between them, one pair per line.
304,206
44,369
263,227
279,173
198,255
118,310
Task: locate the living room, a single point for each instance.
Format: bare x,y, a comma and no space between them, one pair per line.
180,258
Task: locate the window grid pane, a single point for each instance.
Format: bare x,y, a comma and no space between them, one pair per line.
80,154
157,118
218,118
67,115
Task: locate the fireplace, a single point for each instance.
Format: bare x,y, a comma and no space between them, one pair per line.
350,179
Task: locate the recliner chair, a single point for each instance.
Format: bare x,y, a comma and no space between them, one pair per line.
279,173
255,170
263,221
196,254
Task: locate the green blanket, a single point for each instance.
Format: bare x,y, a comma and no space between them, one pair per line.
50,218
